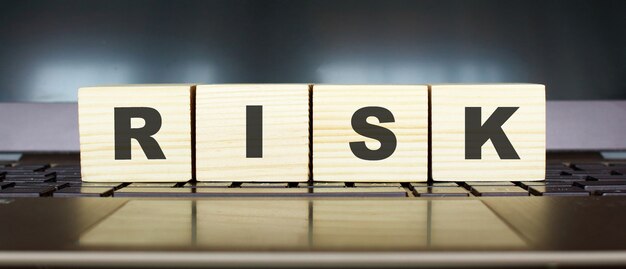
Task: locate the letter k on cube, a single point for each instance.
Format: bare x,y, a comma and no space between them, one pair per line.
488,132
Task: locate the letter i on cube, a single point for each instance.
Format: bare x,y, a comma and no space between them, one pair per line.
252,132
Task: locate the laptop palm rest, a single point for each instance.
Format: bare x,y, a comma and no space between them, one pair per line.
305,225
566,223
50,224
499,231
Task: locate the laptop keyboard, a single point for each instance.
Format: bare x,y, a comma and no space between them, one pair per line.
562,179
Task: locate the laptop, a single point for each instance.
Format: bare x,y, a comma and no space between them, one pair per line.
574,217
51,218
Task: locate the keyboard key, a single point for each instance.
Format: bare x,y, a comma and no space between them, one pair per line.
595,176
566,178
65,166
559,168
380,184
556,166
434,184
610,178
153,192
26,192
152,184
361,192
440,192
602,185
29,179
587,167
612,193
83,192
619,170
63,169
577,173
498,191
21,167
264,185
65,174
557,191
15,170
207,184
55,185
28,175
4,185
557,173
115,185
526,184
253,192
329,184
67,179
489,183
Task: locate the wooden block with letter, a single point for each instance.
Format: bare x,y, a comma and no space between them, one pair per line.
252,132
135,133
493,132
370,133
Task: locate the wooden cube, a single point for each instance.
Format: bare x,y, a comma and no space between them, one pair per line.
254,132
355,128
491,132
135,133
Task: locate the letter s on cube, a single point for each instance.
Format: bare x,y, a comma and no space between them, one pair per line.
135,133
370,133
488,132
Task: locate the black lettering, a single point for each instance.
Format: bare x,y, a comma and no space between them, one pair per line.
385,136
124,133
254,131
476,135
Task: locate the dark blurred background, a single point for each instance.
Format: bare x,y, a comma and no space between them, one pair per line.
50,48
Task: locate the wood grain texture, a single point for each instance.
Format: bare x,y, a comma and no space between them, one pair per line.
525,129
96,123
333,107
221,133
